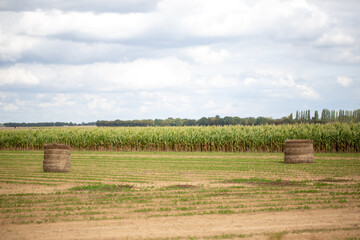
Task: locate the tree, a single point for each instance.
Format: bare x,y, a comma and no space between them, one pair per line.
316,116
308,116
291,118
332,116
158,122
203,121
297,117
325,116
229,121
260,121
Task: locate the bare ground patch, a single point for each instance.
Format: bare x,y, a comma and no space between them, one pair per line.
14,188
291,225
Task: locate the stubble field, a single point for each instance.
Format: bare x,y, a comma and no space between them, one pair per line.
180,195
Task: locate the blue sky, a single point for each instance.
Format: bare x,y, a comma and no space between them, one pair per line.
83,61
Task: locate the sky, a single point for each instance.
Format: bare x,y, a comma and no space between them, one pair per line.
88,60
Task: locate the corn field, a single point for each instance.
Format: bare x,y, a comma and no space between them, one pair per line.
335,137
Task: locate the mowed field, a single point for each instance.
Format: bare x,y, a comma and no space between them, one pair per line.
180,195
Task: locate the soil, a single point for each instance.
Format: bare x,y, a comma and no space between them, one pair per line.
299,224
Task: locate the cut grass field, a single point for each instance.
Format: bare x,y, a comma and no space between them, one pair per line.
180,195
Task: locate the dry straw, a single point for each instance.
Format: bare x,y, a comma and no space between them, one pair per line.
56,158
299,151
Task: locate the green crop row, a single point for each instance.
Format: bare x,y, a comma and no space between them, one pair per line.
336,137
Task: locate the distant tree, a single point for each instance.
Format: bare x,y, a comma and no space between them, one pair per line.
284,120
291,119
260,121
316,116
228,121
325,116
333,116
203,121
297,117
178,122
356,115
189,122
158,122
236,121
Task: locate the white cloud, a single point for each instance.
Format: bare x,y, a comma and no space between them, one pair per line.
280,19
307,91
143,74
349,55
17,75
335,39
84,25
12,46
249,81
10,107
59,100
172,18
275,84
205,55
221,108
100,103
210,104
136,75
344,81
10,103
88,5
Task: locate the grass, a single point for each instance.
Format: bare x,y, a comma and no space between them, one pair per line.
103,187
124,185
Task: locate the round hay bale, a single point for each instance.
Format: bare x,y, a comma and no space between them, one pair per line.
299,151
56,158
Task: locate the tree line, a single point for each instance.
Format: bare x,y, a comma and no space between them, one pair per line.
204,121
326,116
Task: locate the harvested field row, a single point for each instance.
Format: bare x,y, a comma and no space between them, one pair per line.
110,188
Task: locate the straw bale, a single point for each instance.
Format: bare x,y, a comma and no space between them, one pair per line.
56,158
299,151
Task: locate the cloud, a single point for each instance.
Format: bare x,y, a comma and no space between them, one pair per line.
91,36
349,55
307,91
275,84
106,77
10,107
286,20
10,103
80,5
249,81
58,100
17,76
84,25
279,19
335,39
344,81
143,74
205,55
12,46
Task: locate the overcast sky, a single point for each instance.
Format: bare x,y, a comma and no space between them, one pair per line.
88,60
